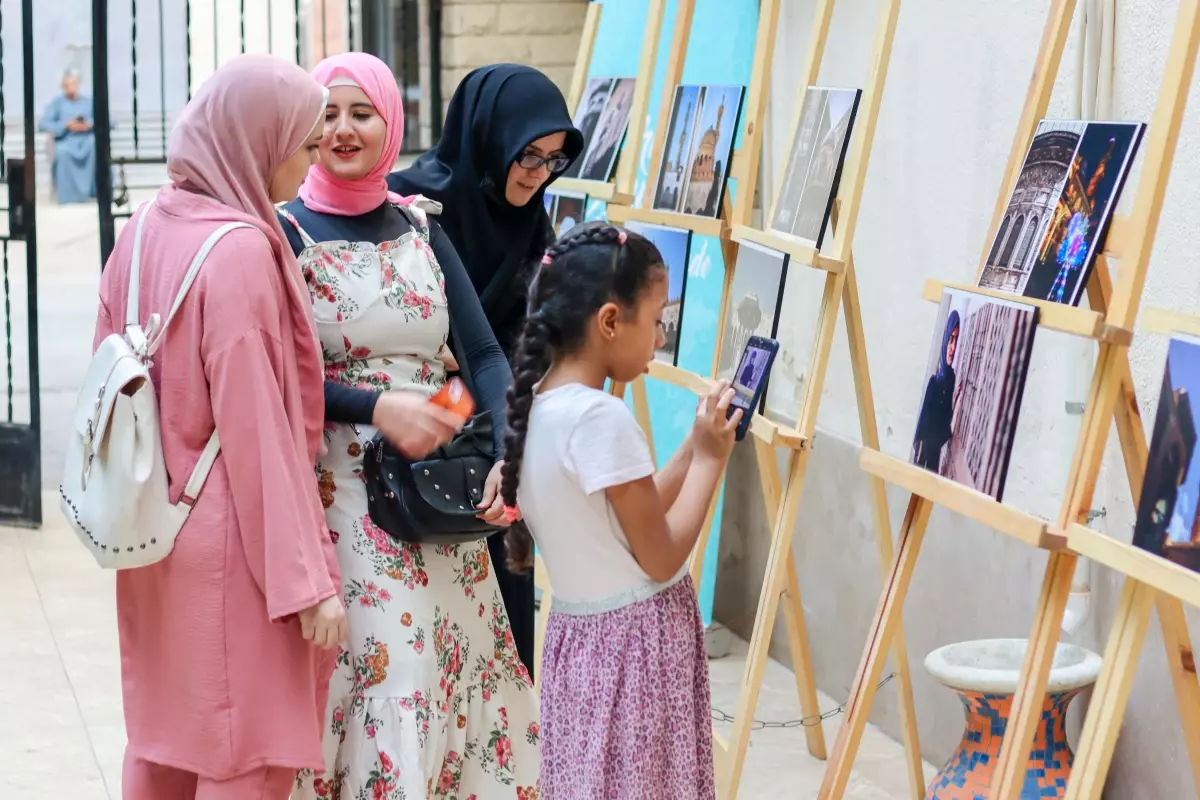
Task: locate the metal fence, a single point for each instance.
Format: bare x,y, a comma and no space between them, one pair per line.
158,82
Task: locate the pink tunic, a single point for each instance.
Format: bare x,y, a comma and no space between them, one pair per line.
217,679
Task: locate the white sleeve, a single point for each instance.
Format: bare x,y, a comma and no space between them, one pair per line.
607,447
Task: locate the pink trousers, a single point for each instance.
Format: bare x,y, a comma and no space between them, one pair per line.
144,780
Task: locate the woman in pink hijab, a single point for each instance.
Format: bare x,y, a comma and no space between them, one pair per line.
227,644
430,698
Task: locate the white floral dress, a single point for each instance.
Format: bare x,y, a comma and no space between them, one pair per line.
429,699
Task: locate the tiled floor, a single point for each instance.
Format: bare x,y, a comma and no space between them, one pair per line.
61,731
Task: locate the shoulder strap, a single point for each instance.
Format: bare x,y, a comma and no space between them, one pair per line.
135,269
305,239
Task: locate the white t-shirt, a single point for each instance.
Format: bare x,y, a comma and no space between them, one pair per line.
582,441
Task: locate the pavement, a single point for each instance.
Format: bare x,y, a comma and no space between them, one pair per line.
62,730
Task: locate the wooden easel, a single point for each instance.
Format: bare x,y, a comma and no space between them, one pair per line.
782,497
1109,321
620,189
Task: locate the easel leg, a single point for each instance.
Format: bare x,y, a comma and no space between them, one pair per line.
793,609
883,629
1111,694
883,526
1182,663
1035,674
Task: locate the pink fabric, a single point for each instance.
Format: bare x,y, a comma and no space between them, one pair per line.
325,192
142,780
217,679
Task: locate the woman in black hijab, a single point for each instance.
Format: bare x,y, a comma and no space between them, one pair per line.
507,136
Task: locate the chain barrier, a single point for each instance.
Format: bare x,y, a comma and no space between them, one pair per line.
804,722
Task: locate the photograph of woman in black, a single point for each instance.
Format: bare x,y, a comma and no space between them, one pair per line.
937,408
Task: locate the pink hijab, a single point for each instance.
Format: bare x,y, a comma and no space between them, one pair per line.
325,192
249,117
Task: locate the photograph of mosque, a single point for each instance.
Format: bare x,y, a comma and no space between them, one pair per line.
567,211
684,109
755,298
712,143
675,245
1060,208
587,116
600,157
814,166
974,380
1166,522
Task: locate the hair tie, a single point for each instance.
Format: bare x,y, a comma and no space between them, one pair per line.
511,514
546,260
621,236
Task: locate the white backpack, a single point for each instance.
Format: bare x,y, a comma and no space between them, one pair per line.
114,489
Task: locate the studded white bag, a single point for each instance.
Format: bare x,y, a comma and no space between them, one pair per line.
114,489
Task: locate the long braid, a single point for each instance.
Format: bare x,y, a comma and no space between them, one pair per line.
567,288
530,365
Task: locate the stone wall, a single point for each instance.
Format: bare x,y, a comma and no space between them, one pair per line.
541,33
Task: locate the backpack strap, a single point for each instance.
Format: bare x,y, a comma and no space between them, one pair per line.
152,338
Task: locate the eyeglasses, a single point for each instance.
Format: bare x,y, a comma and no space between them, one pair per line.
534,161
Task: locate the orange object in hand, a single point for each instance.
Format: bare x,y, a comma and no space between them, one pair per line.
455,398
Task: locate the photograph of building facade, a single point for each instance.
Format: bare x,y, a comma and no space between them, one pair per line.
974,381
674,244
712,143
1058,213
685,108
1166,514
755,295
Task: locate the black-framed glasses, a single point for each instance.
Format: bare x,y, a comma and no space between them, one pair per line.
534,161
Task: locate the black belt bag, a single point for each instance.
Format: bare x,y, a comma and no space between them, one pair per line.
432,501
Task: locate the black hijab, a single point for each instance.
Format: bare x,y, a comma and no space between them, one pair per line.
494,114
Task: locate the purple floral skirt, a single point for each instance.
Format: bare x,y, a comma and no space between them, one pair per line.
626,708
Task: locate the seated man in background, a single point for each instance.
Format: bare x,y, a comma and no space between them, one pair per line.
69,120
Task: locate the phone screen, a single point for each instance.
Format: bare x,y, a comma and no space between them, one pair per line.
750,374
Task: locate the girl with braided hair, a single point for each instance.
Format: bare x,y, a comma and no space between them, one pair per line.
624,681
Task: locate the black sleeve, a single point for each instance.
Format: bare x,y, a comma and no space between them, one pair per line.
490,375
348,404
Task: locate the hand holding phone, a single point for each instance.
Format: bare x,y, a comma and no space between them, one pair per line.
750,379
713,431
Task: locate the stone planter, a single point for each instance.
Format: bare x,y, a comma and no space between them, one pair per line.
984,674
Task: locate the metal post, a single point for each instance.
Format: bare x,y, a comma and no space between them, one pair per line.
242,23
103,129
162,79
133,57
435,69
296,22
31,269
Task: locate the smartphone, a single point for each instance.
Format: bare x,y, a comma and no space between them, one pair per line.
455,398
750,379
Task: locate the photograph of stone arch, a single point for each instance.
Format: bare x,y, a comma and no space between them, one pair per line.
974,380
708,155
1166,512
600,158
814,166
755,297
675,245
587,116
1060,208
568,211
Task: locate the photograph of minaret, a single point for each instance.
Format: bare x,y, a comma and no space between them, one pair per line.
1060,208
712,142
684,110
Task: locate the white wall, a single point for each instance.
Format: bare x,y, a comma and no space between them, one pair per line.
957,81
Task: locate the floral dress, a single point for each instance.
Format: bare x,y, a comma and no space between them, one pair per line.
429,698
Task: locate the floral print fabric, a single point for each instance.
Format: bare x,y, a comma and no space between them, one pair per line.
429,698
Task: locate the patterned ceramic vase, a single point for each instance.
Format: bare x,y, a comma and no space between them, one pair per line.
985,674
968,773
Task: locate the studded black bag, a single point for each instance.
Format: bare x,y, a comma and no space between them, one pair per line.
431,501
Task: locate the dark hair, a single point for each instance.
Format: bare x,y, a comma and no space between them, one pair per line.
590,265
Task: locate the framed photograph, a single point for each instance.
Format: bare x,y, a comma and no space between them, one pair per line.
587,117
568,211
1166,512
600,158
814,167
973,384
755,297
685,108
707,167
549,198
675,245
1059,210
